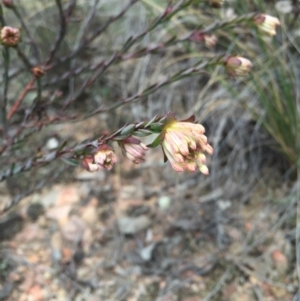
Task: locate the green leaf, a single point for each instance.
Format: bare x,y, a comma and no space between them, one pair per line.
70,161
156,127
142,133
62,146
128,129
156,142
151,121
121,137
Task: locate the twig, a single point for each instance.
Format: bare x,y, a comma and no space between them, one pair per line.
20,98
85,42
75,152
23,57
70,8
6,61
5,55
61,33
85,27
298,227
25,28
192,71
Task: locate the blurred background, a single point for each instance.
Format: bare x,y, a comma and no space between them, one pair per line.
144,232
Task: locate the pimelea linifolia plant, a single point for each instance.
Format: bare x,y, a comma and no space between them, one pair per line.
183,143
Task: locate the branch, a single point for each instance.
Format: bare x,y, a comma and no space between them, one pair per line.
20,98
23,57
61,32
6,61
25,28
82,46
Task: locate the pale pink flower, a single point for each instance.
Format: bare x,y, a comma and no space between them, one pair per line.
238,66
184,144
210,40
10,36
105,158
89,165
133,149
267,24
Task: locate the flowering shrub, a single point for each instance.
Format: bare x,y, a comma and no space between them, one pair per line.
183,143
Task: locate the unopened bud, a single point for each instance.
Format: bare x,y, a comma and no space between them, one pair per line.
238,66
37,72
267,24
8,3
134,149
216,3
10,36
209,40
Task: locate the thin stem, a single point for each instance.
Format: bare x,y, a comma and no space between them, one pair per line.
61,33
6,61
23,57
39,90
20,99
5,56
25,28
85,42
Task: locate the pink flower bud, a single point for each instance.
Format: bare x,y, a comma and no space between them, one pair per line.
216,3
134,149
37,71
105,158
209,40
238,66
10,36
267,24
184,144
8,3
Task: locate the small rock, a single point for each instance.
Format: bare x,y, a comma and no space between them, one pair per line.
224,204
164,202
50,197
73,230
146,253
52,143
132,225
60,214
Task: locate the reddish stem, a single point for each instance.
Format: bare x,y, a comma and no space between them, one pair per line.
20,98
